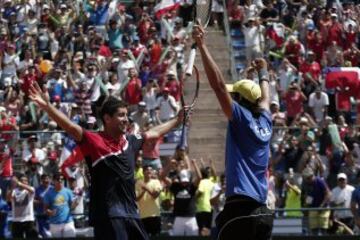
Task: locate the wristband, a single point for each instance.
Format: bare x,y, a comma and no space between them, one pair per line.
263,74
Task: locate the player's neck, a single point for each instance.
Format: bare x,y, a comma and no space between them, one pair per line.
113,134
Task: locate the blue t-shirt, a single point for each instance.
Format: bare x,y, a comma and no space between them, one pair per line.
61,203
247,153
317,191
39,195
355,197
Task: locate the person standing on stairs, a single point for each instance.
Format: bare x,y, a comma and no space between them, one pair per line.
246,105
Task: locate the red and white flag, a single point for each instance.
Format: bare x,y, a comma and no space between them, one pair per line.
165,6
276,33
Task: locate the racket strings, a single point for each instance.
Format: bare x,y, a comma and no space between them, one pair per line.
203,11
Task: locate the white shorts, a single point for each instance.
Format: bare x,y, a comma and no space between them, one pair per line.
185,226
63,230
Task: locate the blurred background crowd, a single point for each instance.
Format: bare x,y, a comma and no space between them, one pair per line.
81,51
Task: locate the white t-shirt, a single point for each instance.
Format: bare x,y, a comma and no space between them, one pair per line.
342,198
123,70
318,104
166,111
22,205
253,36
10,64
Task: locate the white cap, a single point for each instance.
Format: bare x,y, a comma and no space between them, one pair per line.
341,176
45,6
63,6
334,15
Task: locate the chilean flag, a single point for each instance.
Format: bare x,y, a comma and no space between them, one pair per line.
166,6
70,155
276,33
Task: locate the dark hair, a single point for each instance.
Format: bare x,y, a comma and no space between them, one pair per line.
252,107
44,176
110,106
205,172
57,176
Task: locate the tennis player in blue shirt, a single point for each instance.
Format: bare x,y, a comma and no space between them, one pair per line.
246,105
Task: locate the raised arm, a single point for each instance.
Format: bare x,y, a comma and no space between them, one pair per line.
41,99
213,73
261,66
164,128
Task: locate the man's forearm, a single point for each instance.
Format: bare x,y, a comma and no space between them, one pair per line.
162,129
64,122
212,70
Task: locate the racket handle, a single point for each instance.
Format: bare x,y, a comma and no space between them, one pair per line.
190,65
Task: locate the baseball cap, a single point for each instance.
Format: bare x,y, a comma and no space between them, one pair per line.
166,89
142,104
45,6
334,15
63,6
91,119
184,176
341,176
248,89
33,137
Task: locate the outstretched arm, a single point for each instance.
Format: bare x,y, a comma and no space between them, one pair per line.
41,99
164,128
213,73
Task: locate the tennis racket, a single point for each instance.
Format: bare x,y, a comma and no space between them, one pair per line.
201,13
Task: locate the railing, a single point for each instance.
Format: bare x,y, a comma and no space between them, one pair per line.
234,76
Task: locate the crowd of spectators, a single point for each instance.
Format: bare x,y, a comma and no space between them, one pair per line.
82,51
315,146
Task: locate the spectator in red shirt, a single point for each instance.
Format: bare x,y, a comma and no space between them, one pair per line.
335,31
311,69
352,55
7,123
155,50
6,169
151,150
293,51
173,85
350,36
133,89
30,76
294,100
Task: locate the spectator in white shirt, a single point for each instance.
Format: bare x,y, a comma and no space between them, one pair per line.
21,196
168,106
318,103
341,197
254,39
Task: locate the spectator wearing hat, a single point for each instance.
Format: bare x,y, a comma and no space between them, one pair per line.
315,193
148,198
33,157
341,198
184,191
137,48
149,94
141,115
21,195
167,105
10,63
254,39
173,85
311,71
6,169
294,50
318,103
41,217
58,203
335,31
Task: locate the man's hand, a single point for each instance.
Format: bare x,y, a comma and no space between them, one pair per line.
39,97
198,34
259,64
